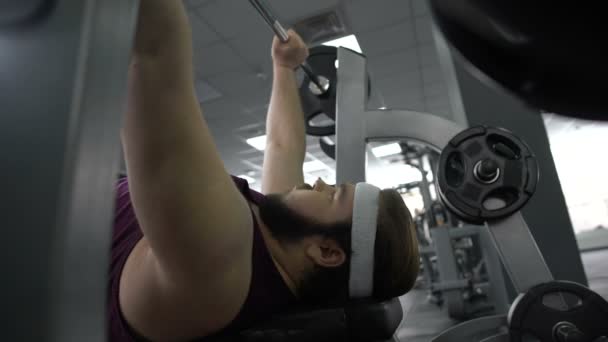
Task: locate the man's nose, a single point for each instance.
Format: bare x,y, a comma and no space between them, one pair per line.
320,185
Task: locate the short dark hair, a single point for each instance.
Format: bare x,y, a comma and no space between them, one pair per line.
397,258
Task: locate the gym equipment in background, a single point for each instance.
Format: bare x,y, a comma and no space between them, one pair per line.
459,263
60,157
546,310
328,147
527,48
322,59
511,237
486,173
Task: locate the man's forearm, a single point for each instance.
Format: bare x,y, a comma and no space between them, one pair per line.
285,122
161,71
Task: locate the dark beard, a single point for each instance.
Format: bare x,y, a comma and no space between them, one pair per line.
285,224
321,287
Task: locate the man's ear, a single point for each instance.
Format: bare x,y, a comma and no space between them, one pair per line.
326,252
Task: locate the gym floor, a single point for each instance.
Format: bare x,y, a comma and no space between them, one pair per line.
423,321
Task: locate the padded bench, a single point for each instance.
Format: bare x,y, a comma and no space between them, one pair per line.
359,321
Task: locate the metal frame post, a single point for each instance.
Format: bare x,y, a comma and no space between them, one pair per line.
498,290
356,125
519,253
350,128
63,83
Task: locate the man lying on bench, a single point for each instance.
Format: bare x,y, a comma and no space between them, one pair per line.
195,252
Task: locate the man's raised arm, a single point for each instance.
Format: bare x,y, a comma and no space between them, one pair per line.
285,129
190,211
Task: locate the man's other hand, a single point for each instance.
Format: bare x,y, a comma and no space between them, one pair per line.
290,54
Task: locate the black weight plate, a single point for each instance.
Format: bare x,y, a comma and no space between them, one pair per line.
320,131
532,315
465,194
526,48
533,180
467,134
330,150
322,60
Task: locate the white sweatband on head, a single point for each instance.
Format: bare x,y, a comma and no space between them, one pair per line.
363,239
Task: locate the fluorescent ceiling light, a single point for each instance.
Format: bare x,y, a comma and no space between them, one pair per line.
259,143
310,179
393,175
386,150
331,178
349,42
314,165
248,179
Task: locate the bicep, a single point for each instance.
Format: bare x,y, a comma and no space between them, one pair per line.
195,226
282,169
186,203
149,301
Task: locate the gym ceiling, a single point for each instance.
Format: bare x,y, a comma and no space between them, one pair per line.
233,64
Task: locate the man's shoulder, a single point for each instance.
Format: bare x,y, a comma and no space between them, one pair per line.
164,310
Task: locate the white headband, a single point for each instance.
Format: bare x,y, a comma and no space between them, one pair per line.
363,239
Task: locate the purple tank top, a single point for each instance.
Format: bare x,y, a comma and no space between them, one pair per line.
268,294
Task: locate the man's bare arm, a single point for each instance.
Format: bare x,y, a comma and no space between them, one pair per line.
192,215
190,274
286,145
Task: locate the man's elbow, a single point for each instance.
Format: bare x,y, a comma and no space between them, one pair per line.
284,137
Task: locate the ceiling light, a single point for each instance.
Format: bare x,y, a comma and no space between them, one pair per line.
393,175
349,42
331,178
314,165
386,150
310,179
259,143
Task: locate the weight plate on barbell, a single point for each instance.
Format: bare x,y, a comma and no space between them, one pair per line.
329,149
322,60
486,173
538,312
